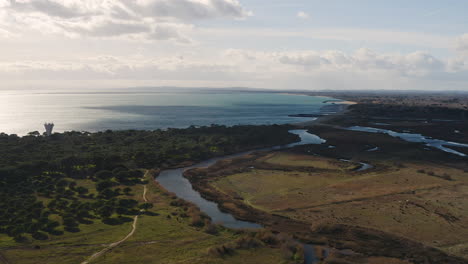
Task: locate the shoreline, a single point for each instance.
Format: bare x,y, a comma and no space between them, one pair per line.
157,115
340,110
413,250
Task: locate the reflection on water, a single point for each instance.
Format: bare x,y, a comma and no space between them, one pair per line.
417,138
174,181
364,166
25,111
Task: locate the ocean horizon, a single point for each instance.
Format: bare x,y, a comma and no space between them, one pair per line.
94,110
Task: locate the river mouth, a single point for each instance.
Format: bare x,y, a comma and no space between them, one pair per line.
174,181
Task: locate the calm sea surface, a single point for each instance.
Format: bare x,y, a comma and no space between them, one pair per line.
25,111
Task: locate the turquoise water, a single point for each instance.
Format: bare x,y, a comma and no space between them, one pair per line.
96,110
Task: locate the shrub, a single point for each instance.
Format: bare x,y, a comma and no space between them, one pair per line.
211,228
267,237
220,251
197,221
104,175
446,177
247,242
111,221
71,229
40,236
145,206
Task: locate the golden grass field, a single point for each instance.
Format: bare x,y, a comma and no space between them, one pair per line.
402,200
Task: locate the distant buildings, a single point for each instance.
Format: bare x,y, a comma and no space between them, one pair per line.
48,127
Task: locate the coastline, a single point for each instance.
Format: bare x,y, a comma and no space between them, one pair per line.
338,108
338,236
117,111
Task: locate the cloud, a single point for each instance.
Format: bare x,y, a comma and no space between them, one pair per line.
6,34
112,67
462,44
265,69
414,64
204,66
346,35
303,15
136,19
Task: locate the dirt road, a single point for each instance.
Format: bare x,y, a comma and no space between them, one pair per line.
115,244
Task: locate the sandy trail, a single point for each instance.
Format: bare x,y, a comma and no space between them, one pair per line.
3,259
115,244
144,194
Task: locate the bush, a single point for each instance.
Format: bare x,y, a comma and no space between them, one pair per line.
247,242
211,229
447,177
111,221
267,237
197,221
145,206
40,236
220,251
72,229
104,175
102,185
177,203
55,232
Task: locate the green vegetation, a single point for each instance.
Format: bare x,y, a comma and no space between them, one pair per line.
406,194
163,235
60,184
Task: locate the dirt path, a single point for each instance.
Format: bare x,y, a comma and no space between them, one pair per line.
144,194
115,244
3,259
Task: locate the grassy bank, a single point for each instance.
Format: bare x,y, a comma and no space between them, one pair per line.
412,195
163,236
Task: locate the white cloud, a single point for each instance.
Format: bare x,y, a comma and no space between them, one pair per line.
346,35
462,44
303,15
6,34
140,19
363,69
416,64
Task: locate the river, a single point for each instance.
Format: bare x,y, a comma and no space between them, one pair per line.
174,181
416,138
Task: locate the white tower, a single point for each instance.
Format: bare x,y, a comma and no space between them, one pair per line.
48,128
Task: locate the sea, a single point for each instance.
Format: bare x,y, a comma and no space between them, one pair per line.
23,111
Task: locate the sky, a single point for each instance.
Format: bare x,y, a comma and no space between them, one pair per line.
273,44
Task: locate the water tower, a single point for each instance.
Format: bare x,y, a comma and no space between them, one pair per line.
48,128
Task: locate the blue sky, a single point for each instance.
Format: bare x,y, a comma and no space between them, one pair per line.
280,44
445,18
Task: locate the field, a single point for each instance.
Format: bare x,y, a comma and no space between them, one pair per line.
411,192
165,237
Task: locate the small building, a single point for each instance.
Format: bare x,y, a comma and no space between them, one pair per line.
48,127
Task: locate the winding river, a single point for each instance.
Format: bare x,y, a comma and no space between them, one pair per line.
416,138
174,181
